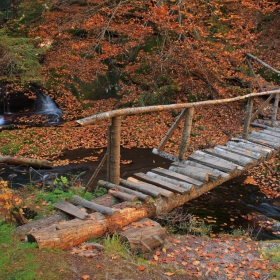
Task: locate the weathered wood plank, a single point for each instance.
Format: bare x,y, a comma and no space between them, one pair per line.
263,150
162,191
165,155
214,162
241,151
108,185
264,142
215,173
159,183
200,170
276,129
71,209
177,176
262,135
229,156
123,196
139,188
202,177
187,186
91,205
271,132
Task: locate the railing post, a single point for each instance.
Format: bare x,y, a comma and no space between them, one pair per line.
249,109
113,150
275,110
186,132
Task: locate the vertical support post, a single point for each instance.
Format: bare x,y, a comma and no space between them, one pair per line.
186,132
114,149
249,109
109,151
275,110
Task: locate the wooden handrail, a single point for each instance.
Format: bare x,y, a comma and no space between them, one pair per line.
149,109
113,146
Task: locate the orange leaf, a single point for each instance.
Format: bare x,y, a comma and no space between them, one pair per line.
141,268
85,277
169,273
98,266
155,257
157,253
196,262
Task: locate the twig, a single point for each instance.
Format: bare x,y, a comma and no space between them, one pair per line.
269,168
96,172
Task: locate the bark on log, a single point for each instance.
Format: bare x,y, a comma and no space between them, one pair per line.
143,236
37,163
45,222
91,205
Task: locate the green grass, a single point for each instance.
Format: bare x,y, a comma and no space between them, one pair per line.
274,255
114,246
16,262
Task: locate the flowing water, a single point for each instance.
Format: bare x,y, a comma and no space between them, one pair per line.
43,106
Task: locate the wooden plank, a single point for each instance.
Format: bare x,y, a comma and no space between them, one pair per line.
276,129
229,156
165,155
214,162
91,205
264,142
177,176
71,209
242,151
198,170
139,188
261,135
217,174
159,183
123,196
162,191
270,132
203,177
265,151
187,186
111,186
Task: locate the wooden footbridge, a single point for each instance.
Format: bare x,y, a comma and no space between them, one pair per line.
161,190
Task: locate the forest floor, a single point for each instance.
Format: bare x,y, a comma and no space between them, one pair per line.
181,257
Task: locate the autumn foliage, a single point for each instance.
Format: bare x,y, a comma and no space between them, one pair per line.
145,52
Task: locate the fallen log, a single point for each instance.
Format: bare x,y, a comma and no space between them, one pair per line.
24,230
38,163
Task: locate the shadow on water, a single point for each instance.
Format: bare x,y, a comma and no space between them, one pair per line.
236,205
226,207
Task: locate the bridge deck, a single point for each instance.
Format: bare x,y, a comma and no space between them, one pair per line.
202,171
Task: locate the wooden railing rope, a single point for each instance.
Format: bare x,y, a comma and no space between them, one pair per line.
114,139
